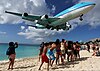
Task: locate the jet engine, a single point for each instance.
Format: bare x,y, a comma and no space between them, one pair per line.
25,14
44,17
68,26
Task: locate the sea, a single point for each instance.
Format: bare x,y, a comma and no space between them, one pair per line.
23,51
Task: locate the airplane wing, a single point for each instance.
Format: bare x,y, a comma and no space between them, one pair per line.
17,14
53,19
29,17
43,20
33,18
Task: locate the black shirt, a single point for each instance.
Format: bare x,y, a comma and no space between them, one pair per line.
12,49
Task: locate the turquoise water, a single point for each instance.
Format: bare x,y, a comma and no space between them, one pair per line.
21,52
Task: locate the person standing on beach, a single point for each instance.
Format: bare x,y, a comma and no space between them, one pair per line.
97,52
74,51
58,52
11,54
41,49
44,56
94,49
78,49
70,50
88,47
51,53
63,48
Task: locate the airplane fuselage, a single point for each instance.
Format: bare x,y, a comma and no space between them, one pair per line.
73,12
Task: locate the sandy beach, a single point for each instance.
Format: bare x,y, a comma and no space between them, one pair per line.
85,63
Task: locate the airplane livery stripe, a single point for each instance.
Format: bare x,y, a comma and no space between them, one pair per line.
81,5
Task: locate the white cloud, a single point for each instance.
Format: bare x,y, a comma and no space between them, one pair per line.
2,33
22,27
38,35
53,8
92,18
37,7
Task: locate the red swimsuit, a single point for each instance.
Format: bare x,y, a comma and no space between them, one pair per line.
45,58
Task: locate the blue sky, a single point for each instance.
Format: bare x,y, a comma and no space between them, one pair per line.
10,34
20,32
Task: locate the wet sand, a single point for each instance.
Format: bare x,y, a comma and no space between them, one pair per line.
87,62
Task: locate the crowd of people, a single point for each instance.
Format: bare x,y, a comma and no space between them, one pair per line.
56,51
59,52
96,51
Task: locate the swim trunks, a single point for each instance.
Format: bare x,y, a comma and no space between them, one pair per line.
51,55
45,58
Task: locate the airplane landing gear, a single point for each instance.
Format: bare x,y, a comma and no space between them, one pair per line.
68,29
57,29
52,28
70,26
81,19
48,27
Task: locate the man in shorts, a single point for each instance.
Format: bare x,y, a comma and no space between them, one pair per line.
44,56
51,53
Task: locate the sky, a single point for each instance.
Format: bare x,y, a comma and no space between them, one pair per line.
13,28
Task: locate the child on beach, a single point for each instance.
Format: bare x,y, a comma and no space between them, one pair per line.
44,56
11,54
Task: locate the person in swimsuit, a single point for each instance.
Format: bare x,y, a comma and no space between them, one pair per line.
51,53
44,56
74,51
94,49
12,54
70,51
78,49
41,49
97,52
63,48
58,52
88,47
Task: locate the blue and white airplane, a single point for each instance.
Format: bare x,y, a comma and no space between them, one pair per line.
59,21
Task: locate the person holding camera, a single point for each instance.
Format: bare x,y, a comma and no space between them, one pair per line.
11,53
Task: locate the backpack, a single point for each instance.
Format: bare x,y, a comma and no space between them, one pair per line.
8,51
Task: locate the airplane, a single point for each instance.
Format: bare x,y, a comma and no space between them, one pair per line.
59,21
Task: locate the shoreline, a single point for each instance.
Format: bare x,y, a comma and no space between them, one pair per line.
18,59
85,63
